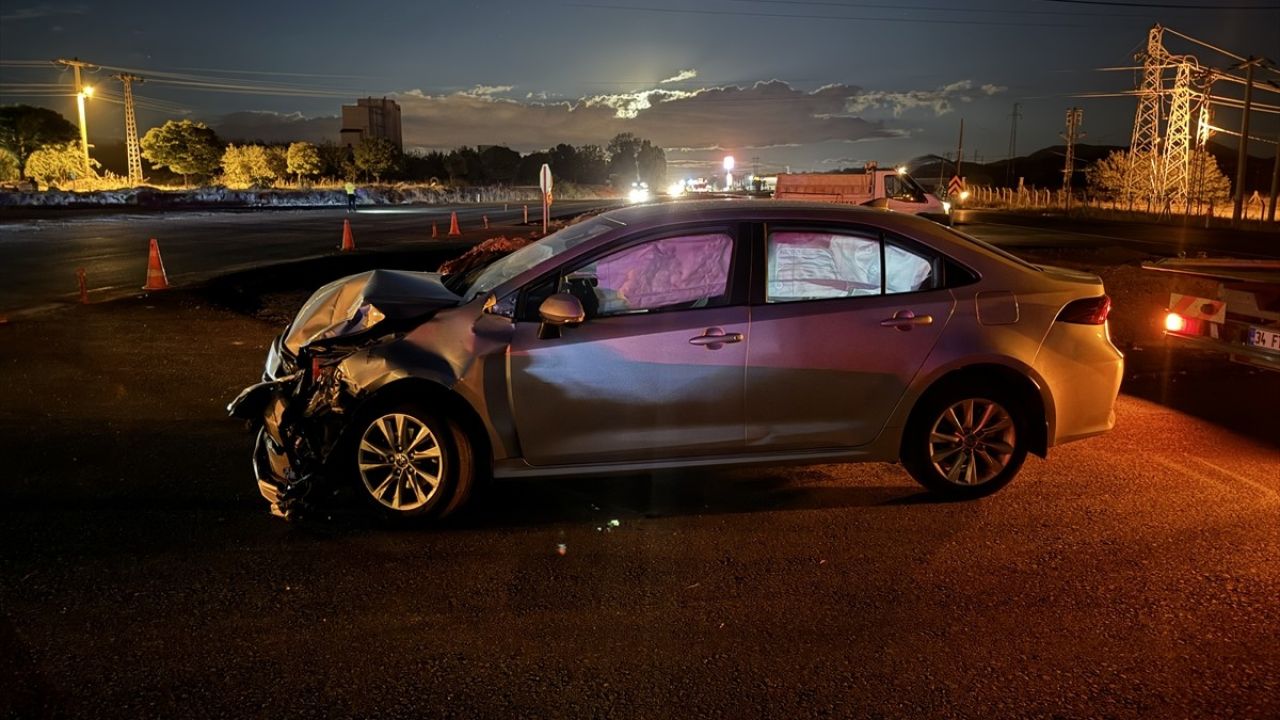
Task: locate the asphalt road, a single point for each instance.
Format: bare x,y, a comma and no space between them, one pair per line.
40,253
1133,575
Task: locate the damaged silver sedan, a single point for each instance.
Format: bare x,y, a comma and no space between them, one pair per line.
686,335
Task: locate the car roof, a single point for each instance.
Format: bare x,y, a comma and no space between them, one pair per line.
665,213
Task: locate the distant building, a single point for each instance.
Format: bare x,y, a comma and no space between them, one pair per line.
371,117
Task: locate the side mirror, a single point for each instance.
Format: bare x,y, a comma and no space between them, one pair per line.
562,309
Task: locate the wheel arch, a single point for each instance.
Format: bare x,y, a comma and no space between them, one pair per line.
1029,388
435,395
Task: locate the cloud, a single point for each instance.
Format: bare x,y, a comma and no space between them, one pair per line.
765,114
43,10
940,101
488,90
273,127
680,76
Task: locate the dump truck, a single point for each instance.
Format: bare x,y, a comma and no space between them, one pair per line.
892,189
1243,321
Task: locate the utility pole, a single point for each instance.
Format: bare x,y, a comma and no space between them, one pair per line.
1275,183
960,148
1243,146
1145,143
1013,143
131,128
82,91
1075,116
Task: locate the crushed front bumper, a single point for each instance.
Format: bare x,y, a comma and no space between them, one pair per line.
289,452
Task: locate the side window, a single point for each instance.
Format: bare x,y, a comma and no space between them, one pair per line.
814,265
687,271
907,271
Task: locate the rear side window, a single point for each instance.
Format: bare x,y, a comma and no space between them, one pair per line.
815,265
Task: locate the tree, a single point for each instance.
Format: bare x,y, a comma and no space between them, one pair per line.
374,156
57,164
9,167
564,162
25,129
185,147
276,160
336,160
593,164
651,163
252,165
498,164
303,160
419,167
464,164
622,158
1115,178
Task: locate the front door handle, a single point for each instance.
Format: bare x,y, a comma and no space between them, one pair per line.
715,338
905,320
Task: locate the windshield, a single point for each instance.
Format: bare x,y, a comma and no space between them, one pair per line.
526,257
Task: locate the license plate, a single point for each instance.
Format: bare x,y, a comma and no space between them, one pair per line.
1264,338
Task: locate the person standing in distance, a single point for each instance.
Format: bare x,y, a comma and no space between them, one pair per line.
350,187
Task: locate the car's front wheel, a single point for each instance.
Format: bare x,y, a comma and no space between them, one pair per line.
409,463
965,443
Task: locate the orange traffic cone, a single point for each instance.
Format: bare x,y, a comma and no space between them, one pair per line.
453,224
434,232
486,221
348,242
156,279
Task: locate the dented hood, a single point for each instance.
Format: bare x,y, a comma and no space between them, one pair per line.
358,302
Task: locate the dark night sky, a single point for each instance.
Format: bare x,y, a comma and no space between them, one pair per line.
808,84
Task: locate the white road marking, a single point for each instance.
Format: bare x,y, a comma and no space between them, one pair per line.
1267,491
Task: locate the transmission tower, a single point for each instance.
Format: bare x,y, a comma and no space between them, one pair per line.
1145,143
1013,142
131,128
1177,143
1075,116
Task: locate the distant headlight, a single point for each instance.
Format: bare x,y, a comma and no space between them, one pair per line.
639,195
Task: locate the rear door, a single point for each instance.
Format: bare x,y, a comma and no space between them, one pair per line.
842,319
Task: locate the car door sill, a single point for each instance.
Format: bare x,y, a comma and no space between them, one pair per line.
519,468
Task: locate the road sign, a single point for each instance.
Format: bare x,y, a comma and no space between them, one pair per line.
955,186
544,179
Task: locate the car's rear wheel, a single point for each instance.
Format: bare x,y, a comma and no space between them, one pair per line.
965,443
409,463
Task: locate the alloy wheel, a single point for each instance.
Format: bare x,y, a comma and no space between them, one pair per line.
972,441
400,461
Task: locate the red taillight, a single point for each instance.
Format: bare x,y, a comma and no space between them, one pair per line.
1173,322
1089,311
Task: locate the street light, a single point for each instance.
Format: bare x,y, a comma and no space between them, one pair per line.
86,91
728,172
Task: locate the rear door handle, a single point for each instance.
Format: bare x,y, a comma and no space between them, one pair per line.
905,320
715,338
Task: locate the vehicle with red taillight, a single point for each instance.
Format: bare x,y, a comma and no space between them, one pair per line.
1243,321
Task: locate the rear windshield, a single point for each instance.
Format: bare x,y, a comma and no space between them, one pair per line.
992,248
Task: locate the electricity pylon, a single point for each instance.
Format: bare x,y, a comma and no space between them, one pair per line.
1075,116
131,128
1177,144
1144,145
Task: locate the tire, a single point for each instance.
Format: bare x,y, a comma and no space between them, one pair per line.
964,442
408,463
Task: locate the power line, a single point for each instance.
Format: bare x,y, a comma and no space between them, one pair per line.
799,16
1165,6
936,8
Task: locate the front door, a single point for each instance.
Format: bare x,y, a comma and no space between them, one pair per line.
656,369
